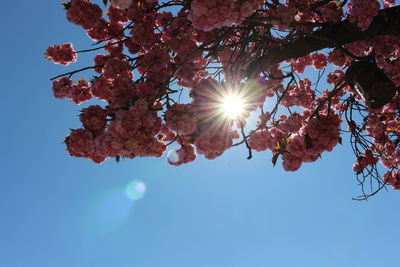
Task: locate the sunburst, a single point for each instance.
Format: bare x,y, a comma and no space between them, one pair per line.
233,106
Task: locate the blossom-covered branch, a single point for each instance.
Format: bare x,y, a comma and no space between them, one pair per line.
190,73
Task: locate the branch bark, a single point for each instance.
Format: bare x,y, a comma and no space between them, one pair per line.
387,22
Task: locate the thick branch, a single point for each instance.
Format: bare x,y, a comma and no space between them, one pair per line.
387,22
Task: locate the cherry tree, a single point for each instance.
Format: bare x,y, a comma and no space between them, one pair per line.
192,72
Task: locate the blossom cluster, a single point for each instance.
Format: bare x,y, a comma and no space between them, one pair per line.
61,54
362,12
207,15
316,136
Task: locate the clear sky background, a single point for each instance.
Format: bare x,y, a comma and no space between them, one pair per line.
58,211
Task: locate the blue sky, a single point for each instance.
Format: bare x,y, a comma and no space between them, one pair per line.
59,211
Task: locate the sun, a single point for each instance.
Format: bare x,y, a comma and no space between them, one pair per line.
233,106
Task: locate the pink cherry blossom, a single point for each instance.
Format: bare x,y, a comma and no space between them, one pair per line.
62,87
61,54
121,4
83,13
93,118
362,12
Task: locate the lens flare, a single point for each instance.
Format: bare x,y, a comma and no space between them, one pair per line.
108,210
233,106
135,190
173,157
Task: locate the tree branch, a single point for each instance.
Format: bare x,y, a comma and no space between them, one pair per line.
387,22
